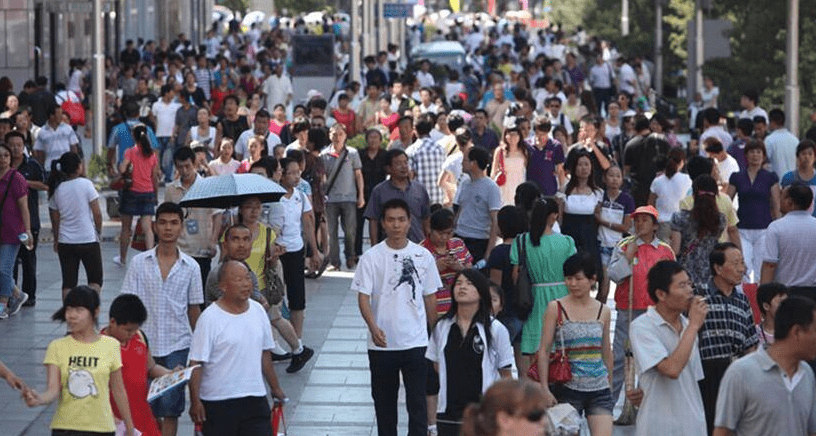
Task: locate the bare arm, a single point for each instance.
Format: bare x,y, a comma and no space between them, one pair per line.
547,334
494,168
358,178
373,231
494,232
55,226
11,378
430,309
154,370
673,365
768,272
606,343
97,216
675,242
271,378
732,191
426,226
193,312
51,393
196,408
734,237
653,199
377,335
775,196
117,387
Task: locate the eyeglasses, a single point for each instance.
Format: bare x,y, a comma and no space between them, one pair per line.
535,415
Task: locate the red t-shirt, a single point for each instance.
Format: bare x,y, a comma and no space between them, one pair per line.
347,119
134,373
142,169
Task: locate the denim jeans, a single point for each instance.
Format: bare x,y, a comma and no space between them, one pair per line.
385,369
171,404
346,212
166,150
619,350
8,256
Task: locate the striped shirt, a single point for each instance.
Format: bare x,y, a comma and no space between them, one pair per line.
728,330
583,341
456,247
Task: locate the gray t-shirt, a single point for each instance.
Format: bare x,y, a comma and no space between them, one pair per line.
345,187
771,403
415,195
477,198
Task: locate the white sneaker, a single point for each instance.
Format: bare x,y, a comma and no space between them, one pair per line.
117,260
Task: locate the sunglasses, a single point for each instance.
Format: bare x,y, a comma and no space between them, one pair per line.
535,415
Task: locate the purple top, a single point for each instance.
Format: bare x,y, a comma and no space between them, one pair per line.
12,218
737,151
754,199
541,166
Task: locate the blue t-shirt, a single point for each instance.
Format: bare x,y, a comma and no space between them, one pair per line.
793,177
754,211
614,211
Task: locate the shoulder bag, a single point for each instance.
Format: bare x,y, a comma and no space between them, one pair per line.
502,177
524,285
273,284
559,366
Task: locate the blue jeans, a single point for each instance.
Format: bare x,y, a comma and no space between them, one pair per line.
8,256
171,404
166,157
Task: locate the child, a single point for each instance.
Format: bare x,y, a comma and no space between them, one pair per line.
84,369
470,350
613,216
127,314
768,296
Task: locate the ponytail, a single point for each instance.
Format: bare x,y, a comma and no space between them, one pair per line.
673,161
62,168
141,137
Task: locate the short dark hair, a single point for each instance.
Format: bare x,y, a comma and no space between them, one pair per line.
759,119
777,116
128,309
713,145
480,156
801,195
717,255
581,261
442,219
236,226
182,154
424,125
804,145
767,292
234,98
712,115
698,166
755,144
168,207
13,134
746,126
512,221
641,123
262,113
752,95
661,276
395,203
392,154
794,310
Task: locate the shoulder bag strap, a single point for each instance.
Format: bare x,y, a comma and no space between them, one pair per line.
266,248
336,170
560,324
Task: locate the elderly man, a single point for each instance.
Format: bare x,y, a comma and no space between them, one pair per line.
233,342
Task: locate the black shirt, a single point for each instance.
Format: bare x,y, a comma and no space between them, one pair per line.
233,129
373,170
33,171
641,155
463,367
500,260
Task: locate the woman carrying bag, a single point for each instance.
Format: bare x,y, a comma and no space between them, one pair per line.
15,225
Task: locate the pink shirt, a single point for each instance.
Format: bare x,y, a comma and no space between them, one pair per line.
142,170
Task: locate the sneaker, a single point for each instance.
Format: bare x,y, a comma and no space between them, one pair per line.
432,431
30,302
299,360
16,303
4,313
117,260
278,357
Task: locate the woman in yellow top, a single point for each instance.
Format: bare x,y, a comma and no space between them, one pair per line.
84,368
249,214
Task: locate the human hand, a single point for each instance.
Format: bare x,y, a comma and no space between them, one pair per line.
631,250
197,412
360,202
549,398
698,311
263,302
55,246
378,336
635,396
32,398
16,383
279,395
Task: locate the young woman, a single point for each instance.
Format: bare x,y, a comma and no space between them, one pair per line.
257,149
584,336
470,349
385,115
203,133
140,198
278,121
668,189
345,115
224,163
510,163
76,221
768,297
613,216
84,370
14,222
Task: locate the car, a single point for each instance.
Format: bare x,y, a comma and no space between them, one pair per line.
443,53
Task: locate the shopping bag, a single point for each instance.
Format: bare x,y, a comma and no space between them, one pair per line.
278,420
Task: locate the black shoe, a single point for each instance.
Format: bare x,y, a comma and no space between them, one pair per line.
278,357
299,360
30,302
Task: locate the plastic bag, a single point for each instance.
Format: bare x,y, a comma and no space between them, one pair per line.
563,420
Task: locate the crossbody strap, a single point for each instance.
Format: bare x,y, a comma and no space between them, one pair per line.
336,170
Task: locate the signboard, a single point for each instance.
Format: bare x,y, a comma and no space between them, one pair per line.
398,10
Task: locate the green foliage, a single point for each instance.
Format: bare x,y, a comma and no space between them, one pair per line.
298,6
236,6
97,171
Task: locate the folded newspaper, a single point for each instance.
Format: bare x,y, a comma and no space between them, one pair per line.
161,385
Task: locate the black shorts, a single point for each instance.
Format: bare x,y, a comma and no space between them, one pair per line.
295,279
70,255
247,416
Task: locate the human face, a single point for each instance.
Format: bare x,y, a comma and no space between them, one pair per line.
238,245
773,306
186,169
5,159
512,137
440,238
613,109
734,267
338,136
579,284
755,157
396,223
399,167
373,140
587,131
168,227
79,319
613,178
122,332
464,292
425,96
254,149
806,158
479,120
280,114
226,151
230,107
555,107
236,283
203,117
291,176
17,147
12,103
583,168
406,128
680,293
317,123
384,105
261,125
644,226
251,210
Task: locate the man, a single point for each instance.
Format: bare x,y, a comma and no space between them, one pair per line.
237,245
163,115
426,158
726,164
121,137
664,343
199,235
780,143
713,128
203,75
231,124
805,172
639,157
629,267
169,284
35,176
602,81
479,201
299,129
405,129
344,189
373,74
40,100
186,117
728,331
55,139
497,107
368,107
424,76
789,243
753,391
553,112
233,344
760,127
293,216
374,169
130,55
399,185
750,106
277,88
260,127
396,283
545,165
483,136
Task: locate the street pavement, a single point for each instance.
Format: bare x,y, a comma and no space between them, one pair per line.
329,396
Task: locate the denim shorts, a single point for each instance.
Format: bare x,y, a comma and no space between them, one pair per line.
137,203
606,255
171,404
590,403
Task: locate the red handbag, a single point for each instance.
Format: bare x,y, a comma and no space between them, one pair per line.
75,111
559,369
502,177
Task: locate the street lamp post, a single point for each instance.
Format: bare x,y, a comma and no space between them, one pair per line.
792,66
625,18
98,81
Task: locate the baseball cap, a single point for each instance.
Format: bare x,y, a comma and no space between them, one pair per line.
648,210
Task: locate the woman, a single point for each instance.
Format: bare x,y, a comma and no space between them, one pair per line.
508,408
668,189
759,194
710,93
263,238
84,371
257,149
463,374
510,163
196,93
140,198
573,108
612,125
12,106
545,253
385,115
76,220
695,232
225,164
202,133
217,95
252,106
278,121
583,335
15,225
345,115
578,202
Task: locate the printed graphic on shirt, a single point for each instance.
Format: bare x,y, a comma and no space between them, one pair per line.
81,383
407,275
478,345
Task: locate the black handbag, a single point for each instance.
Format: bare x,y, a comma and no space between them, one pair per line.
524,284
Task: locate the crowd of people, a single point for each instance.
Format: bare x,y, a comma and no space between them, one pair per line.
502,201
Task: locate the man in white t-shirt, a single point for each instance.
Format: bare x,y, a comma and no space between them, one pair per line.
626,76
55,138
726,164
163,114
750,106
233,344
396,281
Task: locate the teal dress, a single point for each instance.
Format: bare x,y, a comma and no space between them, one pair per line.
545,265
